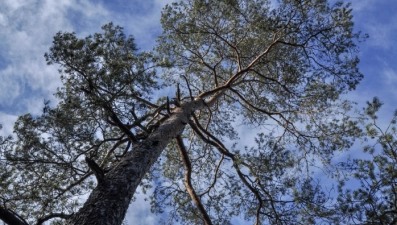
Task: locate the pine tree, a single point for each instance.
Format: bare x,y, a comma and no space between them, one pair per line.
374,201
233,63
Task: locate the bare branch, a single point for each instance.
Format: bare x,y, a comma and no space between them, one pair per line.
215,175
117,121
52,216
188,183
188,87
9,217
98,171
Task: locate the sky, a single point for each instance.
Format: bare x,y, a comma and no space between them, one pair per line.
28,26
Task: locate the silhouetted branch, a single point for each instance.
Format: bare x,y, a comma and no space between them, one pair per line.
52,216
9,217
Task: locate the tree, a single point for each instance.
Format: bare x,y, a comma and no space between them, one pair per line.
375,200
232,63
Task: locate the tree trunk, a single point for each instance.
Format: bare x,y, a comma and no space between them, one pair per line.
109,201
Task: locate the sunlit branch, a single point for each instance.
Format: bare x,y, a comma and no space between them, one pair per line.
199,130
256,108
272,79
229,83
240,72
213,91
288,124
117,144
235,49
218,145
188,183
213,69
220,37
252,189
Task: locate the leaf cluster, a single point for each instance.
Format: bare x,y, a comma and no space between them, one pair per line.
374,201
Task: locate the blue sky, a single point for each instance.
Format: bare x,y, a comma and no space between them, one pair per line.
27,28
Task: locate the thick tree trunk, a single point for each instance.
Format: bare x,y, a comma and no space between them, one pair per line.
109,201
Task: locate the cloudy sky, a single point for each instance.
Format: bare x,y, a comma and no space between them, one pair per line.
27,28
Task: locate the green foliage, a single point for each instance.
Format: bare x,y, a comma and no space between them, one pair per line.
307,42
104,69
374,201
279,70
282,69
103,77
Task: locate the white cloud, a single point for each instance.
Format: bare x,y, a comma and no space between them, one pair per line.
391,76
15,4
376,19
139,211
3,20
381,35
7,121
27,31
362,5
8,83
144,24
27,28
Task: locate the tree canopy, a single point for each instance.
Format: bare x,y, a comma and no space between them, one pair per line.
374,201
280,69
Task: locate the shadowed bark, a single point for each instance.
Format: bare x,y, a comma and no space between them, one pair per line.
109,201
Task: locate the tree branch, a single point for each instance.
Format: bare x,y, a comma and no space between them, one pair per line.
119,123
218,145
188,183
98,171
215,175
9,217
52,216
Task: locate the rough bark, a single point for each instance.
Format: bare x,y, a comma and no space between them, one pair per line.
109,201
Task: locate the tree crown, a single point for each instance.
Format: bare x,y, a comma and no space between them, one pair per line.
231,62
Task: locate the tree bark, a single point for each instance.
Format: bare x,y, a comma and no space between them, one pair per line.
109,201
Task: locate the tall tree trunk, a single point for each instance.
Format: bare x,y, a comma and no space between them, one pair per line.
109,201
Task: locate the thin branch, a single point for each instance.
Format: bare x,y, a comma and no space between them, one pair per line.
218,145
215,176
120,141
11,218
239,73
188,87
63,191
188,183
51,216
122,127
